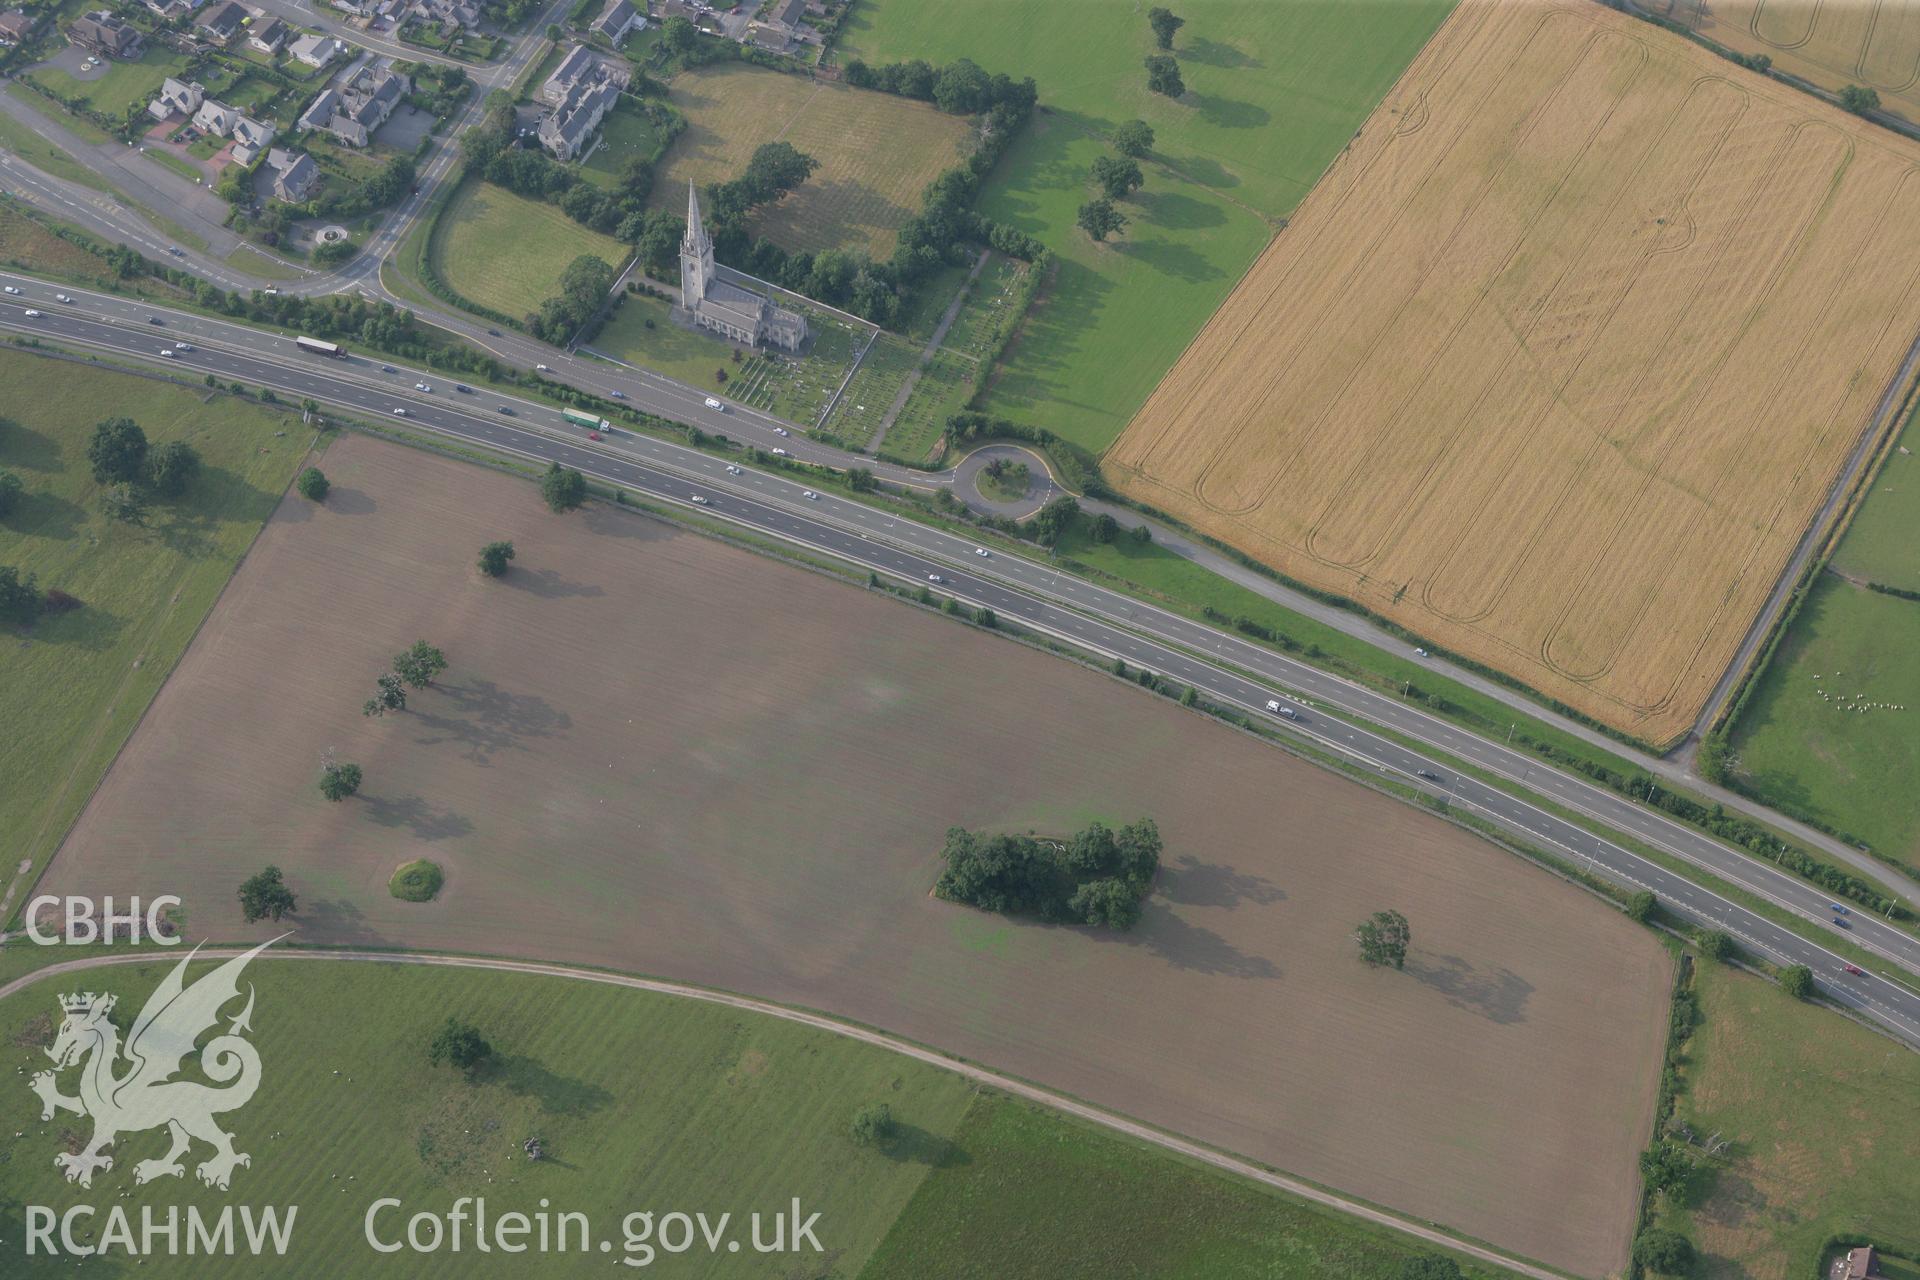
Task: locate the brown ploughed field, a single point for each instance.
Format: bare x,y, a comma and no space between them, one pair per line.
662,754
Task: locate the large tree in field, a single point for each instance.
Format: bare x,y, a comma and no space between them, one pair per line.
1134,138
494,558
171,468
563,487
118,452
313,484
1164,23
265,896
419,664
390,694
338,781
1163,75
1383,938
1117,176
1099,219
20,598
459,1043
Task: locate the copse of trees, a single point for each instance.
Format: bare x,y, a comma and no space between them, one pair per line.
1097,877
584,287
1797,981
265,896
1384,938
1859,100
1164,23
1163,75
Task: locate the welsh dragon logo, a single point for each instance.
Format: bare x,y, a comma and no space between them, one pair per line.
146,1095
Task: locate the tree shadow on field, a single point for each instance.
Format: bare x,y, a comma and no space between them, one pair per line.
1182,261
910,1144
557,1095
1229,113
338,921
350,502
1185,945
425,821
24,449
622,523
1176,212
1499,995
1215,54
548,585
1206,171
42,514
1729,1200
1193,883
490,720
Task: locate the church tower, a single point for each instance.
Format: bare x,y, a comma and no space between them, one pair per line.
696,256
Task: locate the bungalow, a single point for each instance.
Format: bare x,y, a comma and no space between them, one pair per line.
267,34
15,27
105,33
618,21
176,98
294,176
222,21
316,51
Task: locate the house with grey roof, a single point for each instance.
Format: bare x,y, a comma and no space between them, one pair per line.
724,307
177,97
618,21
316,51
267,34
581,67
221,21
15,26
354,109
294,175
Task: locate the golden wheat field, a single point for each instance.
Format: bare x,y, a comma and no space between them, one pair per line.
1833,43
1559,360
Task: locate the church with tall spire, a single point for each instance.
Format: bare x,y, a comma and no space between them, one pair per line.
723,306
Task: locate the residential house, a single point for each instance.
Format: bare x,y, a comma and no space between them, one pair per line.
449,15
785,16
294,175
772,39
267,35
358,8
216,118
176,98
582,66
105,33
355,108
565,130
15,27
316,51
618,21
222,21
1861,1264
250,138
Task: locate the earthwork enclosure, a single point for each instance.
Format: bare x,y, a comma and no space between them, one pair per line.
664,755
1559,361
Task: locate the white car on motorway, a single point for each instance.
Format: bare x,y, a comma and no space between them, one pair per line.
715,404
982,552
167,352
778,453
12,289
183,346
61,297
934,577
810,495
732,470
399,413
32,314
422,386
698,501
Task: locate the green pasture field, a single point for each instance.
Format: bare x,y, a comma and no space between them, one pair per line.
689,355
32,247
1881,545
73,687
1274,92
1041,1196
648,1101
876,152
507,252
1824,1138
124,85
1799,744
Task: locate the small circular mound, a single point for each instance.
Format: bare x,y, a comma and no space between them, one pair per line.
416,881
330,235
